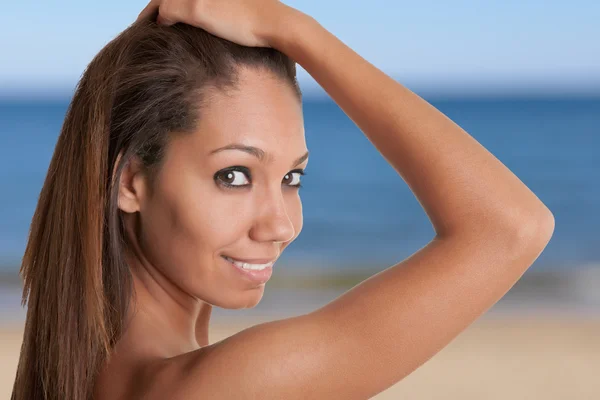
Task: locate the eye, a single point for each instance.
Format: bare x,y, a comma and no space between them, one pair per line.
239,177
233,177
295,177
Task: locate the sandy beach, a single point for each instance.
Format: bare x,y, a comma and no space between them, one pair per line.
497,357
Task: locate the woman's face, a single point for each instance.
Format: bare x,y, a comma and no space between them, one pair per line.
191,219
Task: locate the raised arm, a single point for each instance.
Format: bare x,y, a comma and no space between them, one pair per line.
489,229
462,186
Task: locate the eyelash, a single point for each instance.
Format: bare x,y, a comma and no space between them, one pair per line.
246,171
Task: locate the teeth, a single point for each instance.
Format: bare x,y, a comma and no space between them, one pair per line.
248,266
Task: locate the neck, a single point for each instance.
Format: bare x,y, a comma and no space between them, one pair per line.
162,319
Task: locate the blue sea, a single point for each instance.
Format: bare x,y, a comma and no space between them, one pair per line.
358,212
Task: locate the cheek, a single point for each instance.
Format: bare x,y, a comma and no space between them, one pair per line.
294,210
179,233
299,219
186,226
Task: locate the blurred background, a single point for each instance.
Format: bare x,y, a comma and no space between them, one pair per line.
523,78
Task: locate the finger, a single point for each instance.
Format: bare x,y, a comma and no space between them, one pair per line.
163,21
172,11
150,11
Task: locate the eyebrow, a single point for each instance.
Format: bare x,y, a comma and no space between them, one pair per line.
256,152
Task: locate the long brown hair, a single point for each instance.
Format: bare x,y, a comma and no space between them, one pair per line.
147,83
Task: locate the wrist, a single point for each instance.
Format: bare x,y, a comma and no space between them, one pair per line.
284,31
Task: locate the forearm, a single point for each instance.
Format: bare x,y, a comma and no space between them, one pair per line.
460,184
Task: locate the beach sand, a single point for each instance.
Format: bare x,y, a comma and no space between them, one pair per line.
497,357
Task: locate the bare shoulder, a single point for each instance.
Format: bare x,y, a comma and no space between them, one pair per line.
264,361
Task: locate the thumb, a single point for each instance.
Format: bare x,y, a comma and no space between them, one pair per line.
160,20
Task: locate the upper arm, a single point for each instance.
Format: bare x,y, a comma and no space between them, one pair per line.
373,335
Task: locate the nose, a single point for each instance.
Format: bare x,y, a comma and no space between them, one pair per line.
272,223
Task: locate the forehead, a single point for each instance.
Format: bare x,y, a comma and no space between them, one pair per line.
262,111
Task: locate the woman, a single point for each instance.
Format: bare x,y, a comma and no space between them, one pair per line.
180,158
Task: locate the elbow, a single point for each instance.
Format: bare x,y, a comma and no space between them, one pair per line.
534,231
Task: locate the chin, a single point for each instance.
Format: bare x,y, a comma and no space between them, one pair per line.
239,301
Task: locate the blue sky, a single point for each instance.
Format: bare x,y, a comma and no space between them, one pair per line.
458,45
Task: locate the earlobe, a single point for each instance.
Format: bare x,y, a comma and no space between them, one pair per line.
130,187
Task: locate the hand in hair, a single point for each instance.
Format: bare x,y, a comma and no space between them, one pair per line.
246,22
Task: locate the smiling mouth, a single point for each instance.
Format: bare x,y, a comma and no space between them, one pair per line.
247,265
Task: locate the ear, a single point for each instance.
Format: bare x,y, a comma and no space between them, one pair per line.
132,185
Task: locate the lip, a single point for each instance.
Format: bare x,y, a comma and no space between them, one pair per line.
259,277
252,260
